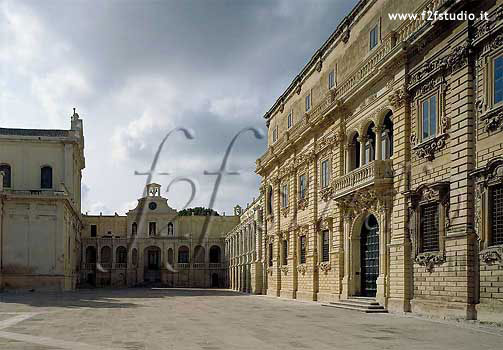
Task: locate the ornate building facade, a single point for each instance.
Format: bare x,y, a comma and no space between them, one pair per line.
383,176
40,220
244,250
152,244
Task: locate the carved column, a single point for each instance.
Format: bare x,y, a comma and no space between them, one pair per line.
347,280
362,141
378,131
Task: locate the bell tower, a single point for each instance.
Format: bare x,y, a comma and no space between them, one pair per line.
153,190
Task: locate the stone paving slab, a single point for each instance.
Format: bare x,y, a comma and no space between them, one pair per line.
216,319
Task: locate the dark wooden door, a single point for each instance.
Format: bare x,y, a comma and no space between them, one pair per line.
369,243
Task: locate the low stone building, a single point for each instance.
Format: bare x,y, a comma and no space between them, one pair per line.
152,244
383,176
244,250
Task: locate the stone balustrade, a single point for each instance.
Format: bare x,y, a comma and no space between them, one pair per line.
364,176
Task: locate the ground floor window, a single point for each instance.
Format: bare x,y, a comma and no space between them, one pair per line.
496,202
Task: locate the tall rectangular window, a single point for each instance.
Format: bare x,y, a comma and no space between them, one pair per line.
290,120
498,79
46,177
94,230
496,202
302,249
308,102
429,228
275,134
429,111
331,79
284,196
325,246
373,37
325,174
285,252
302,186
270,254
152,228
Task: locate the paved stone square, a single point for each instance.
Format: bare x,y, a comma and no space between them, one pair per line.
215,319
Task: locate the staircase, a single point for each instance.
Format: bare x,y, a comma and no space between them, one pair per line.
362,304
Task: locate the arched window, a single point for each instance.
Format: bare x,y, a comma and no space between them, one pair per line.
199,254
183,255
5,169
355,152
387,136
91,255
269,200
134,257
106,254
121,255
171,231
134,228
370,144
46,177
215,254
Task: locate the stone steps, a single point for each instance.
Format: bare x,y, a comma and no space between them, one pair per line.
361,304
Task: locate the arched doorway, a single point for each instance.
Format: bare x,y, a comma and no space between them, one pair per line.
215,254
369,256
152,260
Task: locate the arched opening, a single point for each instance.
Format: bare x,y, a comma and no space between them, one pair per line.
369,256
6,170
134,228
214,280
370,144
215,254
171,231
183,255
199,254
106,255
46,177
121,255
91,255
387,136
354,152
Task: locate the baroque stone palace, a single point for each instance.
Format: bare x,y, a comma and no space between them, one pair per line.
383,176
47,244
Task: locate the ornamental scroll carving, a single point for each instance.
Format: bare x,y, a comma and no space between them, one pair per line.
303,203
493,119
325,267
398,98
302,269
363,201
429,260
492,255
284,269
484,27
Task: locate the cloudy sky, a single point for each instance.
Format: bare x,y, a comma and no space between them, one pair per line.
137,69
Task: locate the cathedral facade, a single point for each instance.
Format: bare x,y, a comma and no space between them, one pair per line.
383,177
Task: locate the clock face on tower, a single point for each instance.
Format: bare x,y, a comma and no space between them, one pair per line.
152,205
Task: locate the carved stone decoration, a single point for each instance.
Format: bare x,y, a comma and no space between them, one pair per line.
326,193
492,255
398,98
457,58
493,120
346,35
303,203
302,269
270,271
427,149
429,260
270,239
362,201
319,65
298,89
325,267
284,269
491,174
285,211
329,141
282,106
484,27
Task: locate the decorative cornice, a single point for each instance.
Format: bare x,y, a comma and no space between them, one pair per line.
493,119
